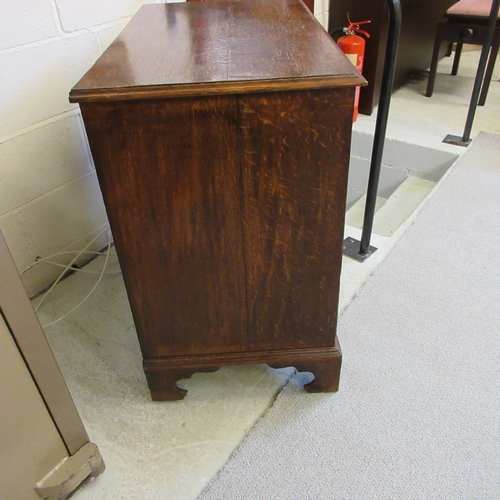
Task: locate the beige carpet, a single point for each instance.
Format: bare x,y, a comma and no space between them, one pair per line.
418,411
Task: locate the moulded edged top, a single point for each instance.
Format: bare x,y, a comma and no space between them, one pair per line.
217,46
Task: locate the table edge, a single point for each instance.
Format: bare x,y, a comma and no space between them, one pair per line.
215,88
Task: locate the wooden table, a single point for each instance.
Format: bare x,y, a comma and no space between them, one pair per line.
221,133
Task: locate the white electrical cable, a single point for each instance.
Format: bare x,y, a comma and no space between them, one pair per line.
45,259
91,291
70,265
76,269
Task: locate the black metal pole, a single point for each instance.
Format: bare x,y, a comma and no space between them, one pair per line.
478,82
381,124
492,21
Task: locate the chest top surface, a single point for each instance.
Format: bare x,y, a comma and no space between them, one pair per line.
217,46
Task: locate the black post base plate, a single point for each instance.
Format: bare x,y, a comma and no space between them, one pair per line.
351,249
457,140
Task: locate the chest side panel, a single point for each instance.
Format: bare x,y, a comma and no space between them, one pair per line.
295,163
170,177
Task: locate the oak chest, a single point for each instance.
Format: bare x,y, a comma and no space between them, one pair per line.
221,134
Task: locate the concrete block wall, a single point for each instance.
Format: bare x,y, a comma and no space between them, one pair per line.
321,9
49,196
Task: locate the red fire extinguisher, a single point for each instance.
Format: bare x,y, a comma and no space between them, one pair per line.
353,46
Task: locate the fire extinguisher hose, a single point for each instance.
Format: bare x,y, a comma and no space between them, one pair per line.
351,28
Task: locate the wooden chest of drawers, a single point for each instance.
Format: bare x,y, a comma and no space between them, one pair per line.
221,134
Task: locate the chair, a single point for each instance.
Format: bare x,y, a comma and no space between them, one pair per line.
466,23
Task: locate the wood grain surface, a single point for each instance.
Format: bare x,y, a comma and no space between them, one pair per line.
226,200
163,373
308,3
170,177
295,164
228,46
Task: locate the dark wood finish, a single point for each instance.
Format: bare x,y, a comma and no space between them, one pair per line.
419,21
223,47
223,166
170,177
163,373
293,196
309,3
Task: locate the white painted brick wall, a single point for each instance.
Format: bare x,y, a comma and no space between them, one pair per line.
107,34
321,6
24,21
37,79
31,169
321,12
49,196
78,15
51,223
58,213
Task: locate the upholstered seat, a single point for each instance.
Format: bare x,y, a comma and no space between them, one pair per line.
465,23
470,8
